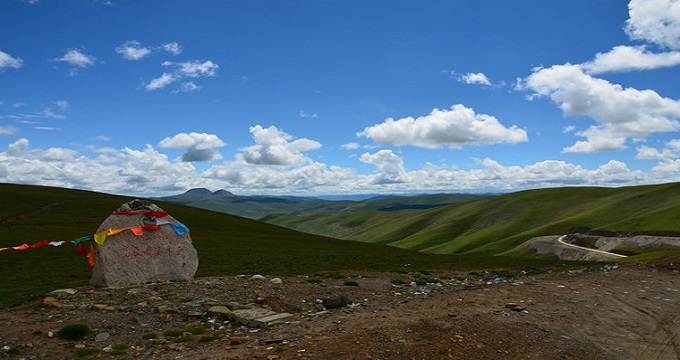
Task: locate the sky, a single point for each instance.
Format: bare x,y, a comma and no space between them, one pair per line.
330,97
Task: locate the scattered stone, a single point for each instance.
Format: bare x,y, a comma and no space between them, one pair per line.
515,307
64,292
220,310
335,301
237,340
161,254
276,281
258,317
80,346
47,301
103,336
257,277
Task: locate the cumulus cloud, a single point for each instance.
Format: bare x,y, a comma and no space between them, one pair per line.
275,147
148,172
655,21
475,79
621,114
173,48
133,50
7,61
190,69
160,82
194,68
389,165
75,57
629,58
304,114
350,146
670,151
200,147
456,127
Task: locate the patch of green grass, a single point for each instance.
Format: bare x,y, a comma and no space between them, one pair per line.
314,281
85,352
186,338
150,336
173,332
73,332
350,283
196,330
279,349
398,282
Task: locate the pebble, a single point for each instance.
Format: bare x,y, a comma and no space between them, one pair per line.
103,336
257,277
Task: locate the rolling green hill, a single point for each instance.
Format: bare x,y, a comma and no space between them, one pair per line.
226,244
255,207
497,224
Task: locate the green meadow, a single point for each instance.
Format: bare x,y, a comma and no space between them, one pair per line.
497,224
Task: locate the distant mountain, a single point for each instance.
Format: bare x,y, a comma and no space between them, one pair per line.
198,192
256,207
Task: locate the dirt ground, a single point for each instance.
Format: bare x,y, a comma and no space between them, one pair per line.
610,312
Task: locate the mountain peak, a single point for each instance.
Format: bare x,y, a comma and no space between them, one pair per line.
222,192
198,192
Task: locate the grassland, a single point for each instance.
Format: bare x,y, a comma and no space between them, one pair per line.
226,244
497,224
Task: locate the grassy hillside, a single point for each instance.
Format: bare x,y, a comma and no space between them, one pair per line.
497,224
226,244
256,207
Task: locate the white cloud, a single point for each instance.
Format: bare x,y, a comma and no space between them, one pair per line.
188,87
200,147
655,21
390,167
160,82
7,61
147,172
629,58
475,78
75,57
7,130
456,127
133,50
670,151
61,104
194,68
275,147
621,114
304,114
191,69
173,48
350,146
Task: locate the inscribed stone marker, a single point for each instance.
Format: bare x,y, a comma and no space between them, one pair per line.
154,246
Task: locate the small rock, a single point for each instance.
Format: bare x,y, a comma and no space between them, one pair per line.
220,310
64,292
49,300
237,340
276,281
79,346
103,336
257,277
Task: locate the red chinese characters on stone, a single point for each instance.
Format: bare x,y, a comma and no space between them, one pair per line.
149,251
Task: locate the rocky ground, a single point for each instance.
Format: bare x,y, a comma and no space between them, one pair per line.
609,312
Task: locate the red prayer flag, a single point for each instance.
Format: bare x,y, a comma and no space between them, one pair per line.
80,249
39,244
21,247
90,257
158,214
125,213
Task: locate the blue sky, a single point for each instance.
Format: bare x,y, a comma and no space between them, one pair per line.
310,97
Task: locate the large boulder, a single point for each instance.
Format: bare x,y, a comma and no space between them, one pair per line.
141,243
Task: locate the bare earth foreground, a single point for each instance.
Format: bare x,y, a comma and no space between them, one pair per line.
612,312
